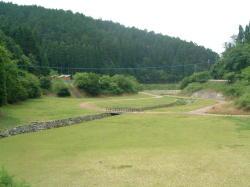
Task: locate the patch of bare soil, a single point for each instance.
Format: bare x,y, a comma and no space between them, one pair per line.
227,108
206,109
209,94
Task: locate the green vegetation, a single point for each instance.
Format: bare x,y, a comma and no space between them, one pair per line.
172,86
66,40
163,147
138,149
196,77
7,180
60,88
16,85
45,83
95,84
234,65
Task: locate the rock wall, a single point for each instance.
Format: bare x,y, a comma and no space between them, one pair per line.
38,126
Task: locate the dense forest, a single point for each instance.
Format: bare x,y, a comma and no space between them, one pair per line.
70,43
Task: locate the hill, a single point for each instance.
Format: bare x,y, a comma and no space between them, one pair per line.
65,41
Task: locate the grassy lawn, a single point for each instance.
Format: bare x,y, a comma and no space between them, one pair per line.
134,150
50,108
197,103
140,102
47,108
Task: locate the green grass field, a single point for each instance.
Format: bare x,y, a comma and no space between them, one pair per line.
140,102
50,108
135,150
47,108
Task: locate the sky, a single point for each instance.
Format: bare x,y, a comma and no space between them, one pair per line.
209,23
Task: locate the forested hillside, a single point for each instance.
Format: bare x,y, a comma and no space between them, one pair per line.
67,41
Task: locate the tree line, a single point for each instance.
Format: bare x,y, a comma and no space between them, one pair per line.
66,40
234,66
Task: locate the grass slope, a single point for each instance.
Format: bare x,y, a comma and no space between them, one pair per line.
134,150
47,108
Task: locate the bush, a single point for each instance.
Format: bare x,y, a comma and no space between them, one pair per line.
60,88
200,77
14,84
8,181
193,87
31,84
94,84
127,84
244,101
89,82
231,77
63,92
45,83
235,90
245,74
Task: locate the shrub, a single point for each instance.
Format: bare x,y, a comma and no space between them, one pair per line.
231,77
8,181
89,82
45,83
60,88
244,101
127,84
193,87
200,77
14,84
94,84
31,84
105,82
63,92
245,74
235,90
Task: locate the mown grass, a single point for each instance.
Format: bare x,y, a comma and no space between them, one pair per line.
134,150
47,108
192,105
50,108
138,103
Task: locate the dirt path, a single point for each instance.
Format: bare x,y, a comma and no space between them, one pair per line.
205,110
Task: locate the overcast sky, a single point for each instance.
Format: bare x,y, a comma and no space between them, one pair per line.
206,22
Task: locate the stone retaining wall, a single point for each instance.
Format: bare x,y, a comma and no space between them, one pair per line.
38,126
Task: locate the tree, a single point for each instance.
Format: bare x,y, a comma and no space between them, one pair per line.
4,58
247,33
241,35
